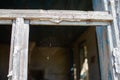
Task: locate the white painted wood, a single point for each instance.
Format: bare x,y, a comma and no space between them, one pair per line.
62,23
10,74
57,16
19,50
113,35
6,22
116,49
69,23
115,28
110,38
24,51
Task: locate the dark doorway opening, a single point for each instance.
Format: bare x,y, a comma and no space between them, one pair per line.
56,52
44,40
5,36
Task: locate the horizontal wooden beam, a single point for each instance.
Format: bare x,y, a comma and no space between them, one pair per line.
68,23
57,17
63,23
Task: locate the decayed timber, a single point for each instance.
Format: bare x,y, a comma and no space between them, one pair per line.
10,74
62,23
116,40
69,23
116,28
104,39
57,17
19,50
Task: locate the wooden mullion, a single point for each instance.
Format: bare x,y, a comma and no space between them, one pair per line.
11,53
19,50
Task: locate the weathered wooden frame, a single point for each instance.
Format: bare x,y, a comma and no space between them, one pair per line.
57,17
18,63
21,19
108,40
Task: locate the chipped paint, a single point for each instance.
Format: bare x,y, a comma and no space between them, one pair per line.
116,54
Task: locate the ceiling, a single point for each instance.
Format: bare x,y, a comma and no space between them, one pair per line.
55,35
47,35
50,36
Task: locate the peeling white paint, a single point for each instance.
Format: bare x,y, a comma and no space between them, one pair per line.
116,54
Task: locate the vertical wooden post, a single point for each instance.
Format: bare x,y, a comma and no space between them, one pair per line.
109,58
19,50
11,53
105,43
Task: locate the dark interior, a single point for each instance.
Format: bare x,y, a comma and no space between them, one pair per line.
57,36
47,4
45,38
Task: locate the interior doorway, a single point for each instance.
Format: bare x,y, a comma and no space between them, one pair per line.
63,52
56,52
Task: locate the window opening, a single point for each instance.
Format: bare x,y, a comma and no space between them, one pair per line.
5,33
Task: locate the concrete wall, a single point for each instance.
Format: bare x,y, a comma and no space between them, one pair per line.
89,36
54,62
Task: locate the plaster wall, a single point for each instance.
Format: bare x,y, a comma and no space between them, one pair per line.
89,38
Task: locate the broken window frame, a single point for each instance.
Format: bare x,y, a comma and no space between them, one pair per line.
20,31
21,19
